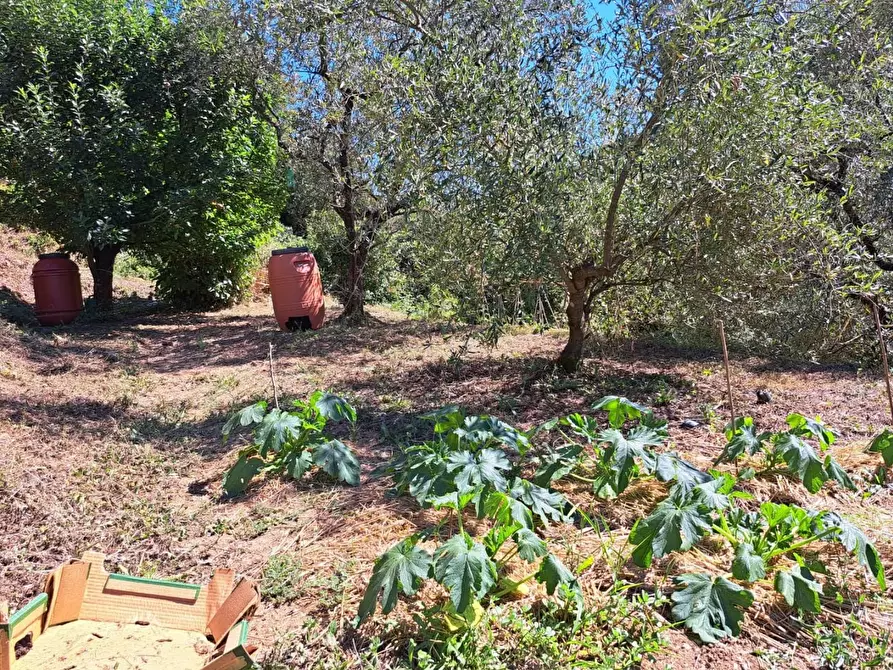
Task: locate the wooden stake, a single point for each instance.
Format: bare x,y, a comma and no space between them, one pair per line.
725,356
880,337
273,378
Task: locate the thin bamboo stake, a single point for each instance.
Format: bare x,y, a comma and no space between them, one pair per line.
725,356
880,337
273,378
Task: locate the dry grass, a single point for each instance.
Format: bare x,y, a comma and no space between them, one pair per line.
109,440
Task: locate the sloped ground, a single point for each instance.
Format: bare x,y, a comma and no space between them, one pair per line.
109,440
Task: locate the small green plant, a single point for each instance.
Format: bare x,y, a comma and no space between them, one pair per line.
290,443
611,459
788,452
466,470
281,579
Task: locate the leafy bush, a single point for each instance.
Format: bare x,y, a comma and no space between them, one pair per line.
466,467
788,451
290,443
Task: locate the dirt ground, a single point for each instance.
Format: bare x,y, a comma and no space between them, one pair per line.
110,440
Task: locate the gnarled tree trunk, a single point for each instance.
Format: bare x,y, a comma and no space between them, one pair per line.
101,261
572,354
355,294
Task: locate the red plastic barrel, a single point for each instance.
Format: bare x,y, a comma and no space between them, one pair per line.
57,289
296,289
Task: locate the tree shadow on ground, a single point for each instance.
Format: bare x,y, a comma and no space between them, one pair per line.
14,309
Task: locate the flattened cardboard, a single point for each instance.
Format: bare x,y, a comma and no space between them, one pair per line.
88,618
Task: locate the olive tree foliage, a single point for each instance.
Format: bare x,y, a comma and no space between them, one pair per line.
666,162
122,126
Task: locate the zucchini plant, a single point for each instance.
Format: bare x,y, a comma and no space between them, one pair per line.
759,539
610,459
289,443
471,471
788,452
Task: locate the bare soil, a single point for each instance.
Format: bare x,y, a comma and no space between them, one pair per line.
110,440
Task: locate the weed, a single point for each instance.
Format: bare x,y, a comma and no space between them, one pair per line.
281,579
316,648
851,647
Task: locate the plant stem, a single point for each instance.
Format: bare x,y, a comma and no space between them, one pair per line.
514,585
581,478
801,543
726,534
273,378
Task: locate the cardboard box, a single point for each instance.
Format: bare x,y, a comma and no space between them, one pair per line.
89,619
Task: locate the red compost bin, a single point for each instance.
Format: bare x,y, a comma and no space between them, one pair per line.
57,289
296,289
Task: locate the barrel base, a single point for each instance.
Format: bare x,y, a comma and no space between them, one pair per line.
56,318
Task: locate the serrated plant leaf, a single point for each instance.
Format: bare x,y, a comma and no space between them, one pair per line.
482,468
464,568
716,493
530,545
338,460
557,464
799,588
446,419
333,407
547,505
483,429
506,510
245,417
748,566
277,428
619,409
858,544
297,462
815,428
802,461
625,449
237,478
883,444
401,568
552,573
837,474
670,467
746,440
676,524
710,607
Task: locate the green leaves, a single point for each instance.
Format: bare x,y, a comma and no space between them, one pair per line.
289,443
799,588
802,461
475,469
676,524
711,608
857,543
748,566
552,573
815,428
744,439
530,545
401,568
333,407
883,444
624,450
236,480
464,568
619,409
337,460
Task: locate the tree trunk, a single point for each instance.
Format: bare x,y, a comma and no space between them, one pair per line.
101,261
355,295
572,355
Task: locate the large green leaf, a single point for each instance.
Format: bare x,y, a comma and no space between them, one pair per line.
530,545
745,440
238,477
625,449
552,573
245,417
401,568
671,467
748,566
297,462
464,568
333,407
804,427
338,460
710,607
475,469
858,544
506,510
481,430
799,588
676,524
837,474
547,505
802,461
277,428
446,419
619,409
557,464
883,444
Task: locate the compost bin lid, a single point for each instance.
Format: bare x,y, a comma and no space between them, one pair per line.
291,250
55,254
